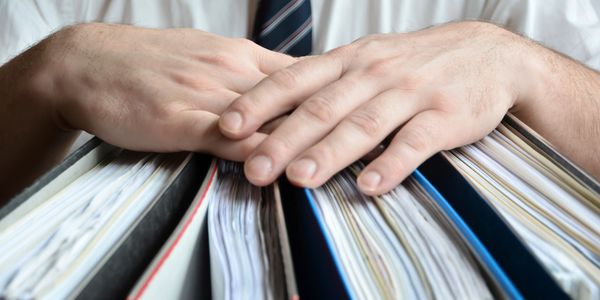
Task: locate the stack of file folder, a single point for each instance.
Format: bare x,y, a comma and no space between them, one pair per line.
505,217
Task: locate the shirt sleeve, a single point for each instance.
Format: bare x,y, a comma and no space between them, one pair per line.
23,23
568,27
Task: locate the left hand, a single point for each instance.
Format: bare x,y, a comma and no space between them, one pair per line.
442,87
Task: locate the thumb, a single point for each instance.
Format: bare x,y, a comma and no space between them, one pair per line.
198,131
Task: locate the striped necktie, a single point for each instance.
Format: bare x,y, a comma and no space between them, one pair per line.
284,26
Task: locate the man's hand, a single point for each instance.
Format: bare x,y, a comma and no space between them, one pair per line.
140,89
442,88
153,90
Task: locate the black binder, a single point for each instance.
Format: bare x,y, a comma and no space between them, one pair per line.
119,270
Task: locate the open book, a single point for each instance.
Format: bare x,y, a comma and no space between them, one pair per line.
506,217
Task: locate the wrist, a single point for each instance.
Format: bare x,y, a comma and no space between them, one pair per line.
517,60
29,126
45,84
533,77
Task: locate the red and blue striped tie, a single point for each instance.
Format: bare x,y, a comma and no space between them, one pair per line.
284,26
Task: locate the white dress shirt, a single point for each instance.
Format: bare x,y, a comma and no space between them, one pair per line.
568,26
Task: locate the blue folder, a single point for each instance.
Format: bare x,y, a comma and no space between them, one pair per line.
512,269
528,276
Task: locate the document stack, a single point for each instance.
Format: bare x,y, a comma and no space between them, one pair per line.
397,246
505,217
555,215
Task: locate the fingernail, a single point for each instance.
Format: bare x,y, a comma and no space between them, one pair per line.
303,169
231,121
370,180
260,167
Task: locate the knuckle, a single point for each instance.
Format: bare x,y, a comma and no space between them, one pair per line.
420,139
370,43
341,51
219,58
363,39
318,108
278,147
189,80
368,122
442,98
245,42
286,78
169,109
410,82
416,143
379,67
325,154
342,56
392,163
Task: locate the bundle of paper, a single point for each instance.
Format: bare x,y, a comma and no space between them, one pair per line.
237,229
556,213
245,254
50,247
396,246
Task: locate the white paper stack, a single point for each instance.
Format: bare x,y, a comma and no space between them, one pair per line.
397,246
555,214
52,248
245,254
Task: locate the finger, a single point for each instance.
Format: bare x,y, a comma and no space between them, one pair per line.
353,138
271,61
198,131
278,94
307,125
421,137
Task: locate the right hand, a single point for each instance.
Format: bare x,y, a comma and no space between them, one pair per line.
150,90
